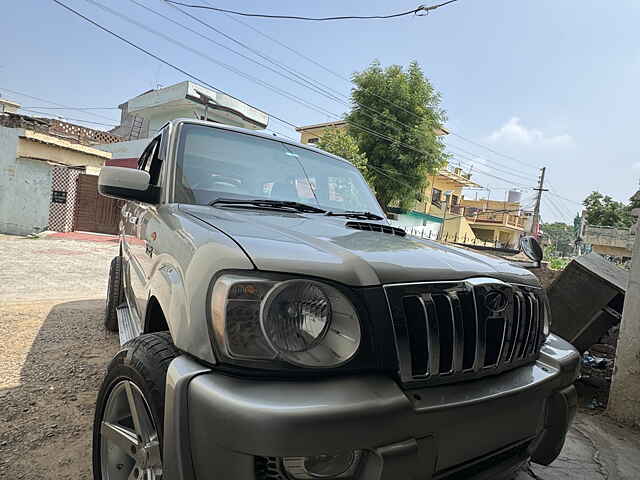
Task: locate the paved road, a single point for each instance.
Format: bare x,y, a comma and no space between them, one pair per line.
42,268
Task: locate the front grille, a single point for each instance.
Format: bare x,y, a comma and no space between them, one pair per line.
448,331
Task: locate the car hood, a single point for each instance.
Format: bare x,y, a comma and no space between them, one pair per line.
324,247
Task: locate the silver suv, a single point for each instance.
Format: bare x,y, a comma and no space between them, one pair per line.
275,326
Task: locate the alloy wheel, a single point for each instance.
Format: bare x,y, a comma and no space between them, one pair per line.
129,442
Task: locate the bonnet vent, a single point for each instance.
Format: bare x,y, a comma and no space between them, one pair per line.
376,227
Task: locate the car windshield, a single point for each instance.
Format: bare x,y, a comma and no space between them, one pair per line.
215,163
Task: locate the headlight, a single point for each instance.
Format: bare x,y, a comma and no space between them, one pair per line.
302,322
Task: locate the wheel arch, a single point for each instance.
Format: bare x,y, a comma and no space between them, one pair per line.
155,319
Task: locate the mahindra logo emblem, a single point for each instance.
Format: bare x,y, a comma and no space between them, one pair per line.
496,301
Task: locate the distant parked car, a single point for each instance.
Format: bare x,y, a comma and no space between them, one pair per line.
275,326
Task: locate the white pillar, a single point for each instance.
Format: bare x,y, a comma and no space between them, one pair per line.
624,398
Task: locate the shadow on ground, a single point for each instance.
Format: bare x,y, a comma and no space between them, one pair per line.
52,360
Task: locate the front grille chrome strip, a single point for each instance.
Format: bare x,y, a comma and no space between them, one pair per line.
433,332
458,332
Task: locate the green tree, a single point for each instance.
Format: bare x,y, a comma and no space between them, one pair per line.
340,143
402,106
560,238
577,222
603,210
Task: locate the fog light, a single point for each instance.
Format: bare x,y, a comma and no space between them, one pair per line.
328,465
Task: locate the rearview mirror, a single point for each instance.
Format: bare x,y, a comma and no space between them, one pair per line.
532,249
127,184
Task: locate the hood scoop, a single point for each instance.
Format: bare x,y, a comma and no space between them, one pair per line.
376,227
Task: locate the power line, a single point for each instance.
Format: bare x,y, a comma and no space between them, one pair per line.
360,127
309,82
473,161
492,150
73,108
221,45
15,92
457,148
314,62
551,192
564,212
226,66
419,11
347,80
147,52
165,62
71,118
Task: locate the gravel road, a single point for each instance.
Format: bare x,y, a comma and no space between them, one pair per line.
53,352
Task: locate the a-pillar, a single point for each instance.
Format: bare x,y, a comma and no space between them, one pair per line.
624,398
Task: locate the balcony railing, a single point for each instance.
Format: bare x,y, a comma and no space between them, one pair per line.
475,215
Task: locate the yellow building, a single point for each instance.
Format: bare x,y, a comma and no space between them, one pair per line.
442,212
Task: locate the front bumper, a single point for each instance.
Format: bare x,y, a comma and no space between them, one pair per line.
217,426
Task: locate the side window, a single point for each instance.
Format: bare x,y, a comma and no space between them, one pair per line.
149,161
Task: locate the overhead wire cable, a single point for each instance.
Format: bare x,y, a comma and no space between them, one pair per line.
347,80
421,10
64,118
165,62
299,75
478,144
377,134
72,108
15,92
147,52
308,82
221,45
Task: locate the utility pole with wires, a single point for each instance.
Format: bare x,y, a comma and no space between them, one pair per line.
535,225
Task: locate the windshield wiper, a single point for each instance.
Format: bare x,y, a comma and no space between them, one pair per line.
266,203
354,214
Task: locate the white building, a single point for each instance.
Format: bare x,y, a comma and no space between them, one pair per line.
144,115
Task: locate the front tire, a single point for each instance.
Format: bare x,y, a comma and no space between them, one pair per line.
115,294
128,422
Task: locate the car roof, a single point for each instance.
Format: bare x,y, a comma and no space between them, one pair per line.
256,133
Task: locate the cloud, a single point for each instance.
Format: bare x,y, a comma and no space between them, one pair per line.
514,132
636,166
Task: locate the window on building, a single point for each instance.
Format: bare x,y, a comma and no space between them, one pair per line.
436,197
313,140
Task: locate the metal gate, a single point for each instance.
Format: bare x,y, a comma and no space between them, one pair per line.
95,213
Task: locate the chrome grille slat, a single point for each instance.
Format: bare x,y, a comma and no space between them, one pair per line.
535,324
458,332
518,314
433,332
481,333
531,316
463,331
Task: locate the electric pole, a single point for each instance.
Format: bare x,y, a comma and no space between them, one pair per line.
536,211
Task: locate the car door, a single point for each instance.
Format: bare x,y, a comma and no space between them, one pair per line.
136,220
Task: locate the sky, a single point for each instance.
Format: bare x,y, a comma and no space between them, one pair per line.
526,84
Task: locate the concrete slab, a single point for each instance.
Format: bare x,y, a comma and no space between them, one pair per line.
596,448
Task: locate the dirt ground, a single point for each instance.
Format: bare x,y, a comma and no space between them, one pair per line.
53,359
53,353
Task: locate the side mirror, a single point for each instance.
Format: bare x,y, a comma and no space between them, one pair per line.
127,184
532,249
